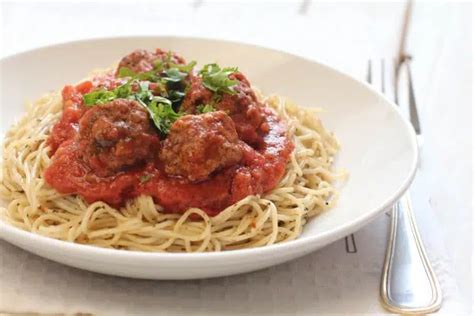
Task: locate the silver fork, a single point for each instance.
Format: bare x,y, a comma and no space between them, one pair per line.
408,285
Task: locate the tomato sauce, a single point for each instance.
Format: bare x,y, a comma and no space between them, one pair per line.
259,170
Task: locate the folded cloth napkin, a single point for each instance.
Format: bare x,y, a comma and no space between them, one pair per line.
329,281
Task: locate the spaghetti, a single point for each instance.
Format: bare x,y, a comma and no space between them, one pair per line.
279,215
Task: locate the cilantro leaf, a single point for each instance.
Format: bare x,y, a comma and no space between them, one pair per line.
217,79
205,108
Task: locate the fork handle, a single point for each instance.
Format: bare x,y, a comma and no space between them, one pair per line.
409,285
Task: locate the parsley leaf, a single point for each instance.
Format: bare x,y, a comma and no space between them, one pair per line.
175,96
168,57
163,115
205,108
145,178
217,79
166,62
103,96
184,68
144,94
98,97
173,75
160,108
123,91
149,75
144,85
166,79
126,72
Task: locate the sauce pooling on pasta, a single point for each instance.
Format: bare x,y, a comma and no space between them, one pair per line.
156,127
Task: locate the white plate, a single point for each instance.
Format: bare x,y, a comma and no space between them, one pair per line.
378,147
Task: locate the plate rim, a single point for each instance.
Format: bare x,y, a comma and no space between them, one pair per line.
302,243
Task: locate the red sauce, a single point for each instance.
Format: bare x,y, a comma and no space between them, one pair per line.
259,170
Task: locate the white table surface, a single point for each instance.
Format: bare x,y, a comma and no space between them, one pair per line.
343,35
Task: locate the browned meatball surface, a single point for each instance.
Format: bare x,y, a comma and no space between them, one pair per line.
245,110
198,145
142,60
243,100
197,94
117,135
243,107
175,58
139,60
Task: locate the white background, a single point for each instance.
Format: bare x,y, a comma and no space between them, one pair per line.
342,34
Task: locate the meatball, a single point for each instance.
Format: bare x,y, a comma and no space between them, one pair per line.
117,135
142,60
175,58
245,110
198,145
197,94
243,106
243,101
139,60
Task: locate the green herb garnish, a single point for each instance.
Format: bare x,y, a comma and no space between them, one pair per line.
123,91
98,97
184,68
161,65
126,72
169,80
205,108
163,115
176,96
173,75
160,108
103,96
145,178
217,79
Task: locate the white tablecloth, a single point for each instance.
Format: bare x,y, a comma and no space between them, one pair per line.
330,280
